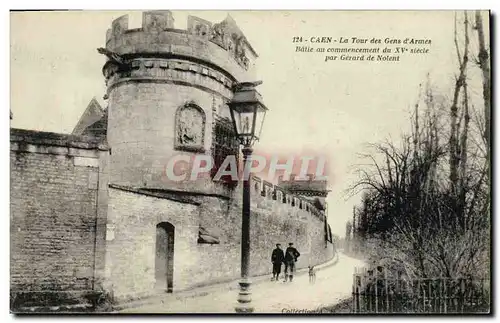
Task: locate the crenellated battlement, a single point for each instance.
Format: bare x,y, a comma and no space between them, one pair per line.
220,45
278,198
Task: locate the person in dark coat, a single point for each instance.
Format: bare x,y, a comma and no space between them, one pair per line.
277,259
291,255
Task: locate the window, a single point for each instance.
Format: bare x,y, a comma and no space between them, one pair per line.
224,144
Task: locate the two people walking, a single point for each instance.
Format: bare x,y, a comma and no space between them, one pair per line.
289,258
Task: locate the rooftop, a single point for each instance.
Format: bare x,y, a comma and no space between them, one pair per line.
56,139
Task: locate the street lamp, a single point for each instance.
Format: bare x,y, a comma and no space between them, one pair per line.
247,114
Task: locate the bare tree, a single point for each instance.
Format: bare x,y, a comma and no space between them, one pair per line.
460,83
411,209
484,64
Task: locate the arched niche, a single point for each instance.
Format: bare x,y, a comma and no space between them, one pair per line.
190,122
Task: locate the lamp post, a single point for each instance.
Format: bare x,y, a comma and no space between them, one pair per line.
247,114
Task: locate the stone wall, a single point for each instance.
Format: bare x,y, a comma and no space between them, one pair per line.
130,254
54,194
72,231
133,216
268,226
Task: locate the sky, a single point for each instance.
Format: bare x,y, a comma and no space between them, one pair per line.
336,108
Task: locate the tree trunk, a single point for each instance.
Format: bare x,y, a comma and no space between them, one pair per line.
484,64
463,160
454,129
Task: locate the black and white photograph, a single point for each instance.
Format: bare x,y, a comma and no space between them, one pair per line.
288,162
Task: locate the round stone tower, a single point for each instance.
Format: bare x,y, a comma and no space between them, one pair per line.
167,90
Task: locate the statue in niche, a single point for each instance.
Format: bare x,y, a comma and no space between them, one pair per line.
154,21
230,45
240,53
218,35
190,127
199,27
117,29
240,49
201,30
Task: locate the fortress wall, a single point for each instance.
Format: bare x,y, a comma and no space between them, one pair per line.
73,232
278,221
131,239
271,222
133,217
55,222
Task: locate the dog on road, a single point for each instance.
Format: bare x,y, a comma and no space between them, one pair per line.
312,275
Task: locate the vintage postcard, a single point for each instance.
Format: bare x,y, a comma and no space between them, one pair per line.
239,162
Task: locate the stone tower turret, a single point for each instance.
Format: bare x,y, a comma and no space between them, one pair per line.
167,88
